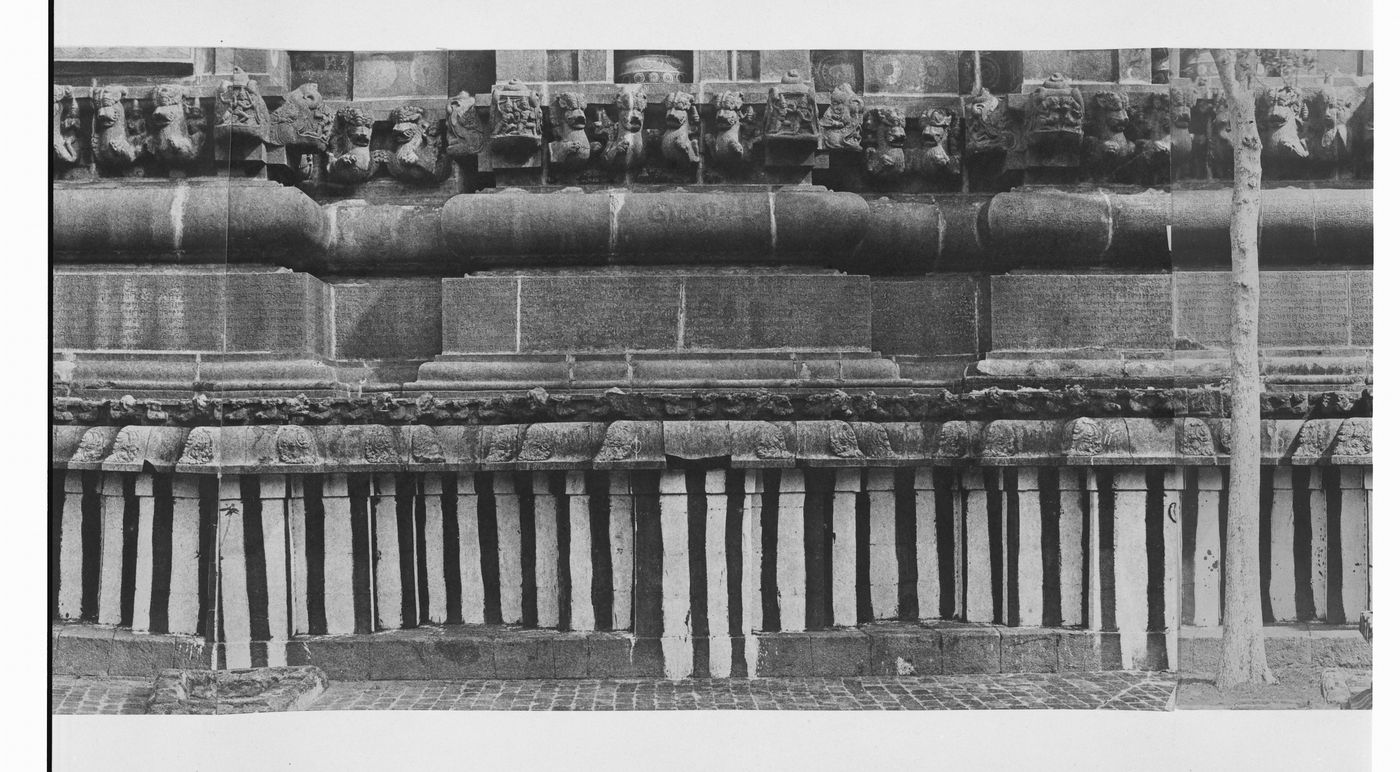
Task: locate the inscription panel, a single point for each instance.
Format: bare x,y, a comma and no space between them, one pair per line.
1296,308
926,316
138,311
276,312
1362,308
598,313
388,318
478,315
1058,312
777,312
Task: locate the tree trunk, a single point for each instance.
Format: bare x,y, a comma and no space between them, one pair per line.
1242,659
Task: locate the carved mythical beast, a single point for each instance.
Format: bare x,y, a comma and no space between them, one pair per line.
1055,123
1284,120
176,126
64,150
350,161
731,145
883,133
418,156
678,145
572,149
626,143
939,157
118,138
840,125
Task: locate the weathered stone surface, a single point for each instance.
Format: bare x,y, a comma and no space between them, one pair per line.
904,650
1036,228
479,314
388,318
768,312
1059,312
1296,308
1362,307
840,653
1080,64
929,316
1298,227
784,655
911,72
971,650
259,690
1029,650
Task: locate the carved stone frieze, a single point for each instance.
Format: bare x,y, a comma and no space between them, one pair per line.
294,445
954,439
620,443
175,128
1283,127
301,121
517,120
243,113
841,124
424,445
883,137
939,157
1055,124
1108,150
626,148
1364,120
65,145
126,448
199,446
1353,438
1332,142
989,138
418,154
118,134
573,148
731,144
1193,438
842,440
790,122
379,445
679,144
1083,437
466,134
769,443
350,160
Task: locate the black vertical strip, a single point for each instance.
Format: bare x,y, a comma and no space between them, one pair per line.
452,549
827,549
695,513
1332,490
162,525
409,485
944,489
490,548
646,595
865,607
208,531
131,531
905,549
595,484
1048,478
56,497
1086,520
1156,550
734,562
361,565
254,557
563,539
315,554
529,587
1302,543
408,580
816,542
1105,556
1223,509
962,498
1266,542
91,531
768,568
991,480
1012,573
1190,518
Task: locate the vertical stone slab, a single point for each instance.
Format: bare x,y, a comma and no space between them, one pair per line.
844,547
141,604
109,597
1071,547
339,556
182,613
546,551
1210,488
469,551
1282,586
1356,574
884,565
1366,481
70,556
620,542
1171,563
233,577
676,646
791,557
433,557
926,542
1130,564
978,559
296,521
751,549
508,547
388,576
1094,592
717,573
1317,523
272,489
580,554
1030,584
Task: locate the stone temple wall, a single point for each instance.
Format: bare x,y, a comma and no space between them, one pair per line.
689,362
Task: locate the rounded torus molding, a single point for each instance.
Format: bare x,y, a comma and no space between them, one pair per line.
1058,228
500,228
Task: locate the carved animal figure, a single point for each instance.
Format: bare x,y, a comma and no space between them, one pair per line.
516,119
840,126
1363,158
1284,120
1332,146
301,120
1110,148
939,157
244,111
986,124
729,147
466,134
418,155
350,160
1055,123
1184,160
118,139
626,148
65,125
572,150
883,132
678,145
1153,127
176,126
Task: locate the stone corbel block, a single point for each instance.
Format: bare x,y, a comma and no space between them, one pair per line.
517,128
632,445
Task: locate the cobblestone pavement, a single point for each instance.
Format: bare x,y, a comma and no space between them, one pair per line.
1084,691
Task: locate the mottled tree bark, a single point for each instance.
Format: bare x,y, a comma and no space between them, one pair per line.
1242,659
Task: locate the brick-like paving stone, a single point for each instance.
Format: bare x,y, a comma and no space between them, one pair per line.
1085,691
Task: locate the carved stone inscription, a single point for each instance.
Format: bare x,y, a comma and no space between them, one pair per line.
1059,312
168,312
928,316
775,312
1362,308
478,315
277,312
599,313
389,318
1296,308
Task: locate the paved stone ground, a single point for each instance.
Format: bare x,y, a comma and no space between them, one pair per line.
1084,691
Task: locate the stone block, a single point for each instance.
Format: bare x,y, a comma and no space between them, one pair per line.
388,318
280,311
1078,652
777,312
1037,312
390,74
529,65
1296,308
1091,65
593,313
901,652
775,64
342,659
911,72
523,657
329,70
1362,307
713,65
1110,650
593,65
784,655
479,315
571,655
137,655
1197,653
971,650
1029,650
465,657
647,659
838,653
1288,646
84,650
925,316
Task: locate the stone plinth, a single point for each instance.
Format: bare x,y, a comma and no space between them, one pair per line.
388,318
929,316
1056,312
1312,309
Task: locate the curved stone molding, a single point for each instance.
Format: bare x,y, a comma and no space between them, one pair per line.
295,445
500,445
94,446
632,445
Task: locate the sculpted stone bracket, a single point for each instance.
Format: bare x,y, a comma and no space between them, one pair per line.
293,448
